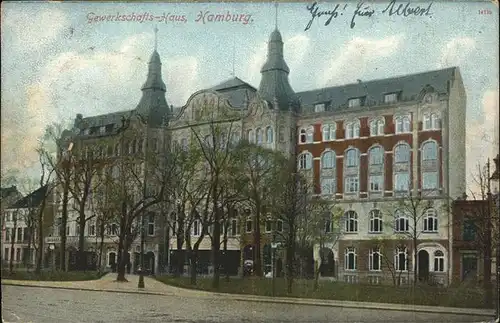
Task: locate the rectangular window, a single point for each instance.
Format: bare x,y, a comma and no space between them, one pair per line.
469,230
328,186
151,225
390,98
92,230
430,180
196,228
26,235
351,184
354,103
6,254
319,107
234,227
279,226
102,130
439,264
7,234
18,254
269,226
249,225
402,182
376,183
19,234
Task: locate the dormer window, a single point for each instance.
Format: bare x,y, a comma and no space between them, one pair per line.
391,98
102,130
356,102
319,107
86,132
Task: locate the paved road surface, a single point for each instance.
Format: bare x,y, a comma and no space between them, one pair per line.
44,305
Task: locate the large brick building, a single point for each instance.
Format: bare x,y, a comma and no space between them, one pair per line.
362,145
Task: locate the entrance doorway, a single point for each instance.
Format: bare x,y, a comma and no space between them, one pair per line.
423,265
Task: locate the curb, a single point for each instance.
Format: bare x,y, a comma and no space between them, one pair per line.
291,301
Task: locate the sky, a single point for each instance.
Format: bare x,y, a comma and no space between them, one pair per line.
58,59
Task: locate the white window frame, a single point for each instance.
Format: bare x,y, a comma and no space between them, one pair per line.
234,227
352,157
328,185
371,260
431,222
320,107
439,261
376,185
259,136
354,102
329,132
328,159
196,228
151,224
391,98
399,252
351,217
269,135
305,161
249,220
429,150
435,121
251,136
376,155
400,216
403,124
430,180
399,149
350,251
268,225
376,216
351,184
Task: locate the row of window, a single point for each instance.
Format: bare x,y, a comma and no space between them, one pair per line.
21,236
401,260
389,98
136,146
376,154
352,128
402,222
233,228
20,254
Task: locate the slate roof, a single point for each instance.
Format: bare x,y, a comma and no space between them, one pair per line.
238,92
31,200
408,87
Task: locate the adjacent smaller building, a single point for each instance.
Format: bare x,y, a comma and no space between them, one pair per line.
19,240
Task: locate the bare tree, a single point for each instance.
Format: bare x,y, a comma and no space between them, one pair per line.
393,255
13,230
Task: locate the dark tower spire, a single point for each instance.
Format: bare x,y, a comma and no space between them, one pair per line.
274,85
153,103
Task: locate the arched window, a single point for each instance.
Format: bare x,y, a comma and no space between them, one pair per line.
350,259
329,132
402,153
260,136
250,136
429,150
375,221
352,158
376,155
430,221
401,259
402,223
302,136
328,160
305,161
328,185
351,221
438,261
375,259
269,135
248,225
427,122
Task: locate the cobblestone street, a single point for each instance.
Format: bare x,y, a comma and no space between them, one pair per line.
34,304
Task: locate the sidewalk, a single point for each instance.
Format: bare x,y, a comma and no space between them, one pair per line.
153,287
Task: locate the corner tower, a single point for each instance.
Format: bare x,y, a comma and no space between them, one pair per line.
153,103
274,85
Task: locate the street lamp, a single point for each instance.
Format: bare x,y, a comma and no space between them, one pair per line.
141,270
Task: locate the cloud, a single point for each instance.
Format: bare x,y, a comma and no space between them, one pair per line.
354,58
456,51
482,135
31,30
92,82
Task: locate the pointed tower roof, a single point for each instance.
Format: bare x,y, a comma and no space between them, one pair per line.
153,103
274,85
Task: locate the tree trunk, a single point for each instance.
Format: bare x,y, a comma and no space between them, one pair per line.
257,239
81,243
290,251
12,241
216,254
316,275
64,223
28,258
193,256
101,246
121,263
226,256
